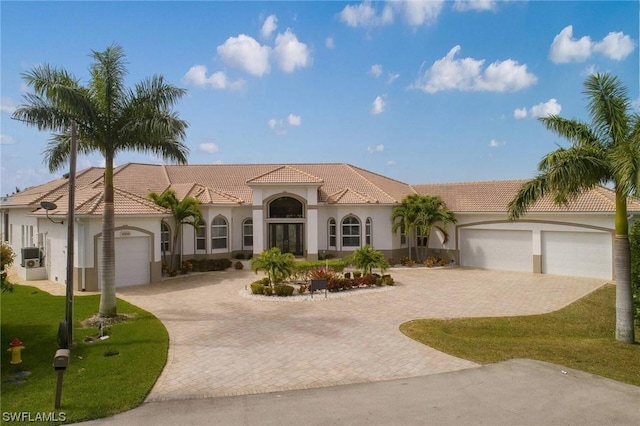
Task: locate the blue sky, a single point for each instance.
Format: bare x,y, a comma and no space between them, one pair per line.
435,91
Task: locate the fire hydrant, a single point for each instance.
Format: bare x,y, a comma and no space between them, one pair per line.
15,347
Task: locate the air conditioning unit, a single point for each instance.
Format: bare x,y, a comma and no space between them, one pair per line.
30,253
32,263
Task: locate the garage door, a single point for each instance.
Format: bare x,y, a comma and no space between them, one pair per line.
496,249
132,261
580,254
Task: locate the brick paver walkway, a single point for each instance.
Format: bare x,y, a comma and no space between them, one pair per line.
225,344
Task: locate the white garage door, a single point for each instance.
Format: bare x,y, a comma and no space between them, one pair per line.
496,249
132,261
580,254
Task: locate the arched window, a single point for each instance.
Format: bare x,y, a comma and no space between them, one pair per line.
247,233
285,207
219,233
332,232
165,237
201,236
368,227
350,232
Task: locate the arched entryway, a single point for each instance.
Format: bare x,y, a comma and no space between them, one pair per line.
286,220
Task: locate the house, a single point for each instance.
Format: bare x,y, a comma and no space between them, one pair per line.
310,210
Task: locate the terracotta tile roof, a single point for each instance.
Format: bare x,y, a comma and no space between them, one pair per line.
495,196
285,174
90,201
338,183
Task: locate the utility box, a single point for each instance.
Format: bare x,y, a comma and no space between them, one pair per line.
61,360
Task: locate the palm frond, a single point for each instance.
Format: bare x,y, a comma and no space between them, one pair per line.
529,193
608,105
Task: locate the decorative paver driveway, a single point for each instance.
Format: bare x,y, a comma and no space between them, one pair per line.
224,344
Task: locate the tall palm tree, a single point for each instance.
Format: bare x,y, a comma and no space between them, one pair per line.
605,151
110,119
431,213
402,220
184,212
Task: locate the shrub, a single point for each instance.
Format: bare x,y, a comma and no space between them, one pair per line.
283,290
367,258
257,287
387,280
302,289
239,256
430,262
238,265
320,273
268,291
347,275
278,266
357,274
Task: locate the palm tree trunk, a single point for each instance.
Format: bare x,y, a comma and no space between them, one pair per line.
173,246
622,268
108,271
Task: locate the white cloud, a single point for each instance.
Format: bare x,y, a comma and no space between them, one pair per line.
412,12
391,163
269,26
418,12
545,109
392,77
616,46
330,43
364,15
374,149
377,106
466,74
246,53
7,140
7,105
477,5
493,143
520,113
567,49
197,75
291,53
209,147
376,70
294,120
272,123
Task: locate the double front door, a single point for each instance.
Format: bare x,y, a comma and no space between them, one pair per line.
288,237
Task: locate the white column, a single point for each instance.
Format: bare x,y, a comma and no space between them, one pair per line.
259,234
312,233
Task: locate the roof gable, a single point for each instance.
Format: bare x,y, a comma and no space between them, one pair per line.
285,174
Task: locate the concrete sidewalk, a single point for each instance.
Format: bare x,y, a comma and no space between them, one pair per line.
516,392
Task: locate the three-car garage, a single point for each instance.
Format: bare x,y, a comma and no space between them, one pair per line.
552,249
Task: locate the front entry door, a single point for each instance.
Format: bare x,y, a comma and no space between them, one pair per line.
287,237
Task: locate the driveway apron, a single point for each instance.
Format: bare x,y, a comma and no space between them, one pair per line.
223,343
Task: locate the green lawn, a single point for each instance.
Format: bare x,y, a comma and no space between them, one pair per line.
95,385
580,336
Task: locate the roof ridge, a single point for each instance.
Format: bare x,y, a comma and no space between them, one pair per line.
289,166
358,194
373,184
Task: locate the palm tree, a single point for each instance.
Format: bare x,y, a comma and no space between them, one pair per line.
278,266
184,212
367,258
605,151
110,118
402,220
422,213
431,213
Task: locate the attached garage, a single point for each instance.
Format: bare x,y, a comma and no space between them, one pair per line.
580,254
132,261
496,249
